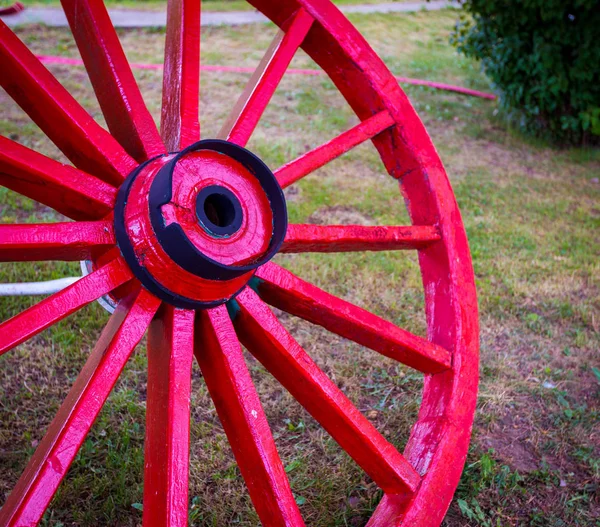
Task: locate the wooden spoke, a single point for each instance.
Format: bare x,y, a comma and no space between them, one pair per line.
54,455
62,187
287,292
58,114
62,304
181,80
390,510
126,114
343,143
263,335
250,106
169,275
222,363
346,238
55,241
170,353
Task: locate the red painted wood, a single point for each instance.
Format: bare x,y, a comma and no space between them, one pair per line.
228,380
345,238
55,241
202,169
329,151
55,453
58,114
152,255
127,117
440,438
62,187
390,510
181,78
30,322
250,106
262,334
170,353
287,292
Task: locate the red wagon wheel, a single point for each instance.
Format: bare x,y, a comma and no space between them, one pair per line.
180,232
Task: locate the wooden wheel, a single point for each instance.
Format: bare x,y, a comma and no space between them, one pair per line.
180,233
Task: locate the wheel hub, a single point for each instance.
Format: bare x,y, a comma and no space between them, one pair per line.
195,225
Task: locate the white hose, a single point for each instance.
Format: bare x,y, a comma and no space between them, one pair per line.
54,286
37,288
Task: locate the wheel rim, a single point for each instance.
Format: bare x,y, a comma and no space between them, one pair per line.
205,314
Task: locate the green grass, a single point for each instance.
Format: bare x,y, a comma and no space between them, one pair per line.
533,220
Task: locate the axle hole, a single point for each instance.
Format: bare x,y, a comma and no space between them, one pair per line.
219,209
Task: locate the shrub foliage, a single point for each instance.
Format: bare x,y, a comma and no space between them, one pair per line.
543,57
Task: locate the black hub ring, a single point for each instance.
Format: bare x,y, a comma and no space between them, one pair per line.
194,261
179,247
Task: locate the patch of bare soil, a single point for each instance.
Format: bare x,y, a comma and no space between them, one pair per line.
510,439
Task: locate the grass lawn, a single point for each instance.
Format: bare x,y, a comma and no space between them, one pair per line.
533,218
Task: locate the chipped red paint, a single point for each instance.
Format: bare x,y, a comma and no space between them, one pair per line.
250,106
188,181
62,304
419,482
58,114
127,117
344,238
220,357
204,169
170,353
289,293
261,332
68,430
62,187
181,80
323,154
55,241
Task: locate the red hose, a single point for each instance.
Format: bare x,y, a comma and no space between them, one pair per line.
17,7
237,69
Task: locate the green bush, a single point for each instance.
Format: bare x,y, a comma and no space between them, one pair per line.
543,56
